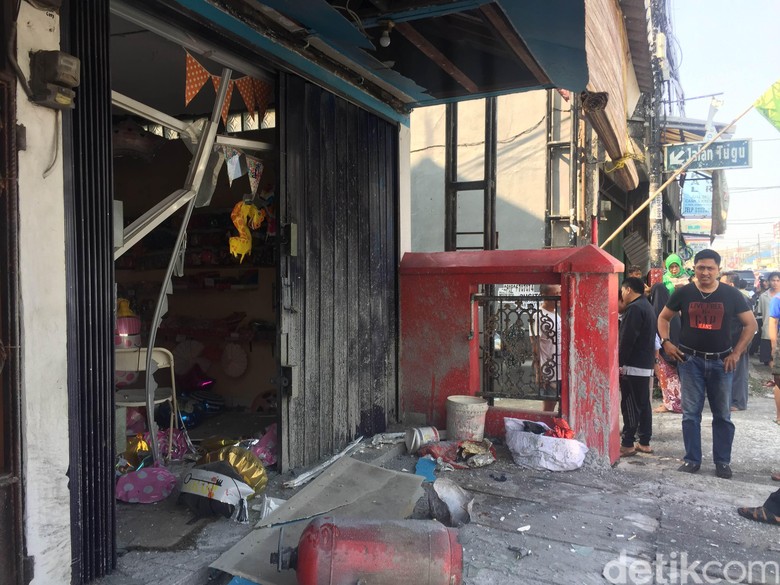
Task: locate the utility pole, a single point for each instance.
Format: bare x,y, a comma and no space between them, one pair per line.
655,211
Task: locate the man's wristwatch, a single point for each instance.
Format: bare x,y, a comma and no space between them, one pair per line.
665,340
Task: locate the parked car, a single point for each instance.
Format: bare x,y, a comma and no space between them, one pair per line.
748,276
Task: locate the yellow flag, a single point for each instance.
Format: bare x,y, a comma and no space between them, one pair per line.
768,105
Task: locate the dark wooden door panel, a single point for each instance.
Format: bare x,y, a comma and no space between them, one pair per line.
339,293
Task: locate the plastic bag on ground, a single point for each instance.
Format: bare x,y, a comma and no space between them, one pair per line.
542,452
459,453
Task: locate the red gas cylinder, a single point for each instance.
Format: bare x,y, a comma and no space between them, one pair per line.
393,552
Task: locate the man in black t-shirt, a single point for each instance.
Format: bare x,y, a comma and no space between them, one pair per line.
636,356
707,358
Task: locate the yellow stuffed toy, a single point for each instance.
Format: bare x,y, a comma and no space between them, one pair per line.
244,213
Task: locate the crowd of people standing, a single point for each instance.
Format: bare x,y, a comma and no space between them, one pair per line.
694,331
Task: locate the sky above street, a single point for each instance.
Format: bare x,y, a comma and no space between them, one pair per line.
731,47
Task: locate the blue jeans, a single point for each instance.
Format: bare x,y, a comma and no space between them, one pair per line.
739,388
700,378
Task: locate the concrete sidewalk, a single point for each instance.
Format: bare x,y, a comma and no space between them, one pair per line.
642,510
641,515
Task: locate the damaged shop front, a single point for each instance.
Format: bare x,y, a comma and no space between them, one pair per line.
229,193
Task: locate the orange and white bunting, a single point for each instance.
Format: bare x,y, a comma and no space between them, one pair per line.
264,93
194,79
246,88
217,80
256,94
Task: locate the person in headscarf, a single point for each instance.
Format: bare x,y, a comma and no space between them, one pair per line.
675,274
666,369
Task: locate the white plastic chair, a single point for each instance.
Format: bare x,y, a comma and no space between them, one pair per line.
134,360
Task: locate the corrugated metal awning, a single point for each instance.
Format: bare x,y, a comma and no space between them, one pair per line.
637,249
676,130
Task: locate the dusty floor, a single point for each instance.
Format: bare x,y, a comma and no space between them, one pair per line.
594,525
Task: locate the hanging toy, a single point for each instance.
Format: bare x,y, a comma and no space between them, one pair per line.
245,216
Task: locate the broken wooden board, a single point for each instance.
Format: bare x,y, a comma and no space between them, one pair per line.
347,489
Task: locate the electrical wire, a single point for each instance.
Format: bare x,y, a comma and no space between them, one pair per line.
480,142
701,97
12,59
56,146
751,189
352,15
753,220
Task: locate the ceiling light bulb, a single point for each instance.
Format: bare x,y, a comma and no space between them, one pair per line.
384,40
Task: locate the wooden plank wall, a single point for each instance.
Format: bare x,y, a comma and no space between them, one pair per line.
608,59
339,294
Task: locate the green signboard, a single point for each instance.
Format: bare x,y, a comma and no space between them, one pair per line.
728,154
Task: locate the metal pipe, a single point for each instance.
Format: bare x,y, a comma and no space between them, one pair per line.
573,168
590,181
192,183
548,211
152,218
137,108
243,143
451,177
489,220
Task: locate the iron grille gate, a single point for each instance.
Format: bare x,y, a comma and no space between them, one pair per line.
88,196
520,346
12,560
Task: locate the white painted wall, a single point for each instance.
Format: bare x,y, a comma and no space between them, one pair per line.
520,189
427,179
404,191
43,338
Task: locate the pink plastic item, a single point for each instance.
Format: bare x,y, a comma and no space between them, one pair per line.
178,445
265,448
145,486
135,420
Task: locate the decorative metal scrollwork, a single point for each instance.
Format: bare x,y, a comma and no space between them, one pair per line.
520,349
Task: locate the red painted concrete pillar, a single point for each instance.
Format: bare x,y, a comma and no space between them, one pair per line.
594,392
435,351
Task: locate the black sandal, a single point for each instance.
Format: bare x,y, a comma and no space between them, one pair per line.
759,514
